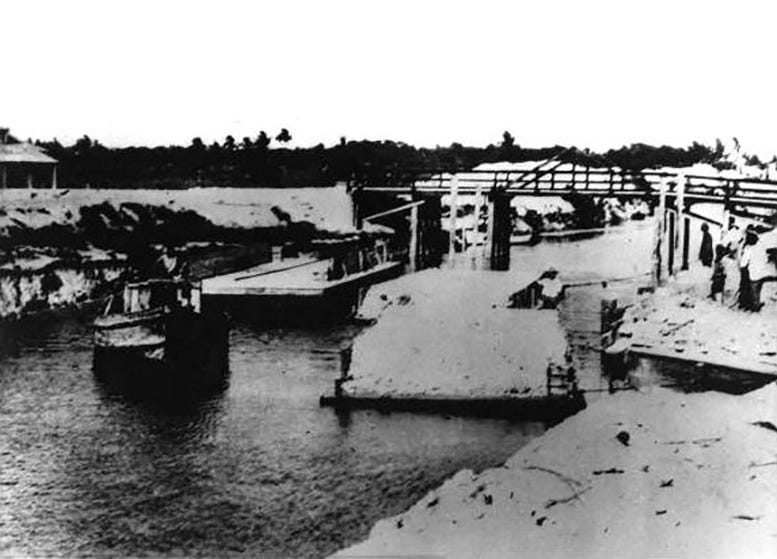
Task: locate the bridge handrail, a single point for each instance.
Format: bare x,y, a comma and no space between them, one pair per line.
359,260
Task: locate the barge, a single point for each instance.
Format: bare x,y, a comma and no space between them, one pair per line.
156,337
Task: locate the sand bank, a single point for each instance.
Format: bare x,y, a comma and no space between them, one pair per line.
445,333
680,320
328,209
658,474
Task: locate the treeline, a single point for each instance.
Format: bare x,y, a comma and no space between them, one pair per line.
267,162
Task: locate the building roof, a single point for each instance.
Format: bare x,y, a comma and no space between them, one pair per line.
23,153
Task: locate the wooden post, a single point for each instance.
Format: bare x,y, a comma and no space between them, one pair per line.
54,177
680,223
587,177
672,240
500,242
4,178
478,203
354,196
29,180
413,251
659,241
489,244
686,241
726,208
454,205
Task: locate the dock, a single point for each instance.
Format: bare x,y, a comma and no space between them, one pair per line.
551,409
690,339
307,287
449,341
300,277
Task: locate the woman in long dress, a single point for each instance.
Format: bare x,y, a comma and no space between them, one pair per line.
730,296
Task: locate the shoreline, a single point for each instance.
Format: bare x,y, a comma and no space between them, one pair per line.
64,246
693,467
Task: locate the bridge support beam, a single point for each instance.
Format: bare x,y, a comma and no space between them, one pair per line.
413,248
502,228
686,238
454,208
682,224
672,240
660,242
430,246
356,210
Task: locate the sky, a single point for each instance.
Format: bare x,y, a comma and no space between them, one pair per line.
589,73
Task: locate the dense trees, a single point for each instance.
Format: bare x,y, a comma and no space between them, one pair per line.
267,161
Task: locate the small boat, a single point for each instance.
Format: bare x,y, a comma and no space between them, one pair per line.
530,238
156,336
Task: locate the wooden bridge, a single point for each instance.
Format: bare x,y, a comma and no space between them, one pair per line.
673,193
557,178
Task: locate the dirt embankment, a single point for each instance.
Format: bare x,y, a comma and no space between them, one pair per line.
446,333
44,283
635,475
61,247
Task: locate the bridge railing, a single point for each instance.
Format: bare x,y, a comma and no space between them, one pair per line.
565,178
360,260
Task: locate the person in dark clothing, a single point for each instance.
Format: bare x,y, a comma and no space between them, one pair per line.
718,274
705,252
746,301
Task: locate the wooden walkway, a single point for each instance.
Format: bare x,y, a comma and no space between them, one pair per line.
554,178
301,277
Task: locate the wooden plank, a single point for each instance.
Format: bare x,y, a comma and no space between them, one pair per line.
402,208
312,288
738,363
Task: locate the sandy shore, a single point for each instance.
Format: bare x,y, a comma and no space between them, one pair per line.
445,333
49,238
679,320
658,474
329,209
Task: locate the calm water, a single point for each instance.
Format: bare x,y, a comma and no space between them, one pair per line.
259,469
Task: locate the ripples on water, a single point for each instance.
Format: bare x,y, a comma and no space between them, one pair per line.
259,469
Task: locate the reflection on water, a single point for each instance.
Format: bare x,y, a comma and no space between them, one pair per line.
258,468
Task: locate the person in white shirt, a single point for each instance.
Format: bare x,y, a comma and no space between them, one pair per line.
732,238
761,268
731,241
552,289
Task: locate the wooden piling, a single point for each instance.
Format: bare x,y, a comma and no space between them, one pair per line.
478,202
489,244
454,208
413,248
501,231
680,224
658,258
686,241
672,241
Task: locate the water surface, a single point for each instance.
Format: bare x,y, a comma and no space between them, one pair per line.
258,469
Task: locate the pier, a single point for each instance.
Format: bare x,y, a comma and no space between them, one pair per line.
450,341
320,288
674,193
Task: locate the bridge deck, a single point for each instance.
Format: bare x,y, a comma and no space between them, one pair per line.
303,277
559,181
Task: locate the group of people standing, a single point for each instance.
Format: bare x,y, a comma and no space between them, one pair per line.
740,266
